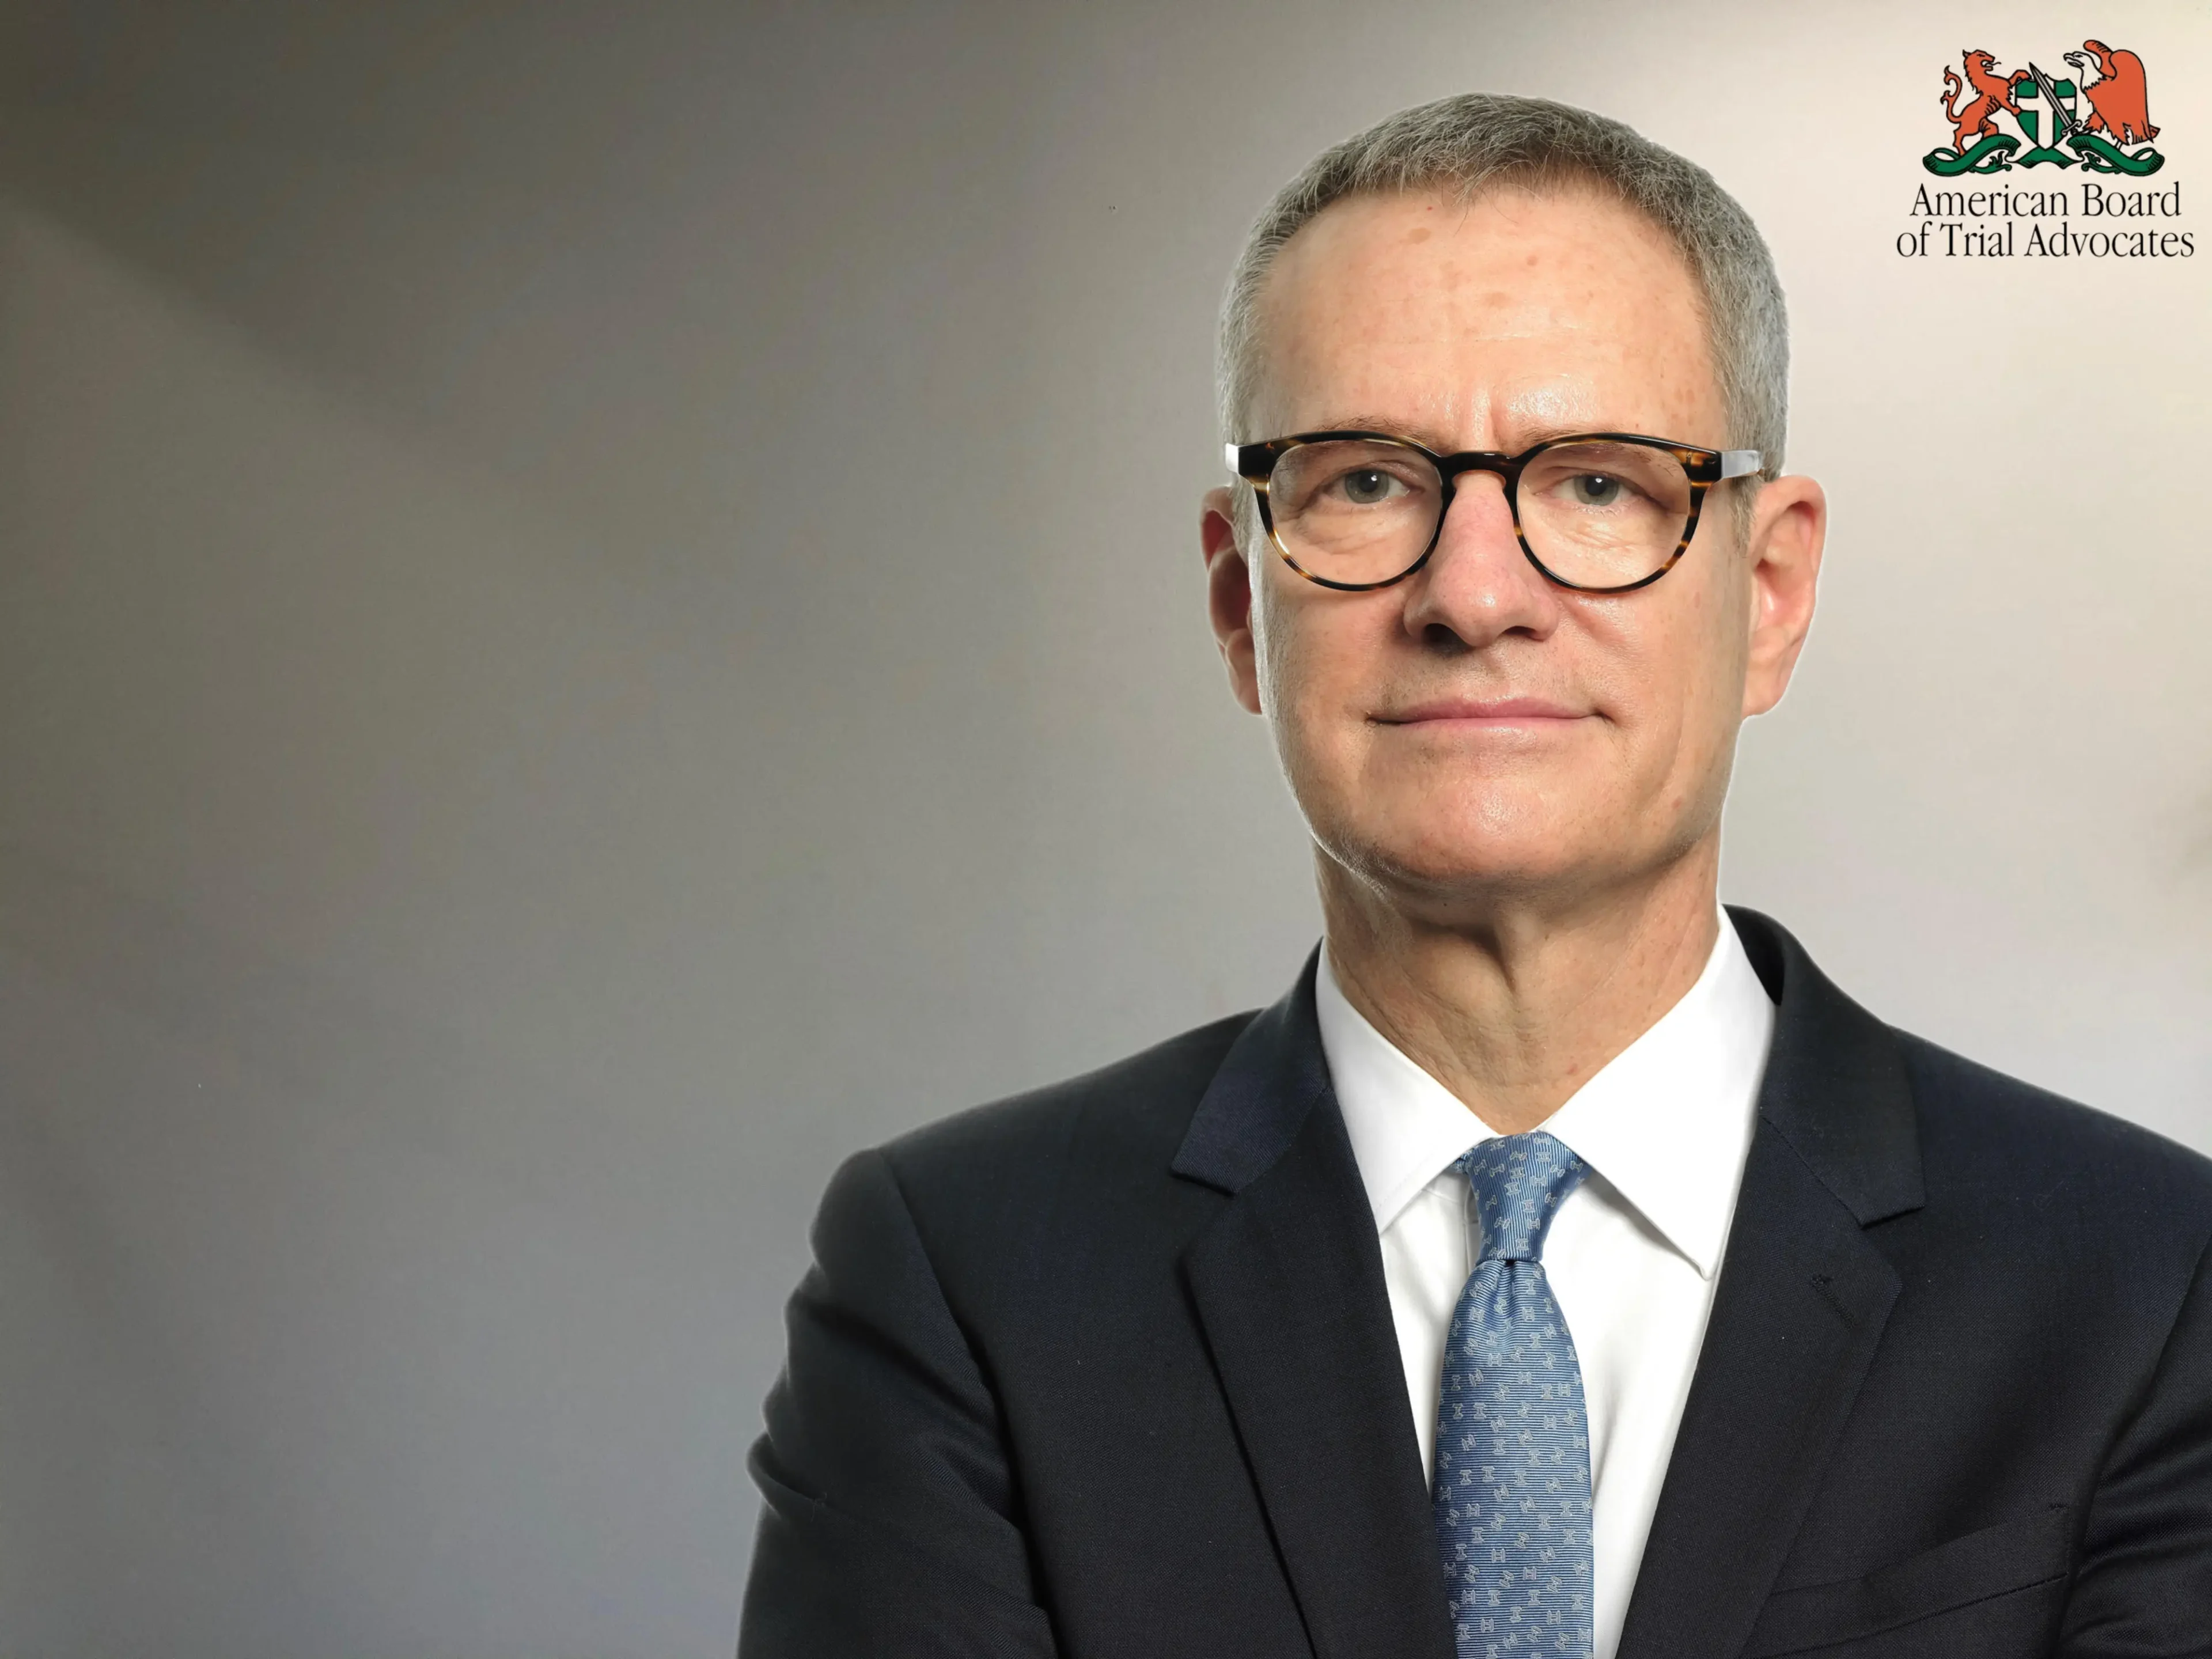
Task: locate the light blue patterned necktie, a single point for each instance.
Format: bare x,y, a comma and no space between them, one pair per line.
1512,1490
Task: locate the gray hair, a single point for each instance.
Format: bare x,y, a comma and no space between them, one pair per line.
1480,140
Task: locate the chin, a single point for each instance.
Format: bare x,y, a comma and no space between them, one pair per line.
1459,860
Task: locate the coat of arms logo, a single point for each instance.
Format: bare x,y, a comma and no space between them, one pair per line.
2097,118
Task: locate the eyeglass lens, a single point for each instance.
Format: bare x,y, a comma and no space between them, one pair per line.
1595,514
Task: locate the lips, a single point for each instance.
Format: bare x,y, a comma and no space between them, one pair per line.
1495,711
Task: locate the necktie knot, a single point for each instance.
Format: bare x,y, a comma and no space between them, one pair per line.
1517,1184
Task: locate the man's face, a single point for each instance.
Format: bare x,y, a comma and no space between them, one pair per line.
1475,730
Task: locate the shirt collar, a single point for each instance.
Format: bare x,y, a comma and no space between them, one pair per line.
1666,1122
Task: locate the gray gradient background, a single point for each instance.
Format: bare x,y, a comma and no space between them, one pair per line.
600,608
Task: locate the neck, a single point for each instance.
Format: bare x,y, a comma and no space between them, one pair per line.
1514,1012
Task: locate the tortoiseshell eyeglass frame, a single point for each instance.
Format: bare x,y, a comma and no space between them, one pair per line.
1256,464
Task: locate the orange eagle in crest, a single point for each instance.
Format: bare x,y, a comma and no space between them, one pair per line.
2121,103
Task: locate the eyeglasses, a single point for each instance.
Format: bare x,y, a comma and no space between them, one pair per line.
1596,512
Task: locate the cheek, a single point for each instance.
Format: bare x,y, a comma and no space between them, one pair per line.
1292,691
1718,645
1672,679
1692,691
1298,656
1315,663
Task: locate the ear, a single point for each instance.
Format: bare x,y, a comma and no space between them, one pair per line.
1229,594
1788,528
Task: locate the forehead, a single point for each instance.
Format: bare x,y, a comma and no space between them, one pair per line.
1472,322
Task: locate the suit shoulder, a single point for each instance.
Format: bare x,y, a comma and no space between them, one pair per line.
2031,1141
1140,1106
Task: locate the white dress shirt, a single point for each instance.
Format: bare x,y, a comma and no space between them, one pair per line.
1633,1252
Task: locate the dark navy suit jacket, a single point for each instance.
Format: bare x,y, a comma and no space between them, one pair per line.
1107,1371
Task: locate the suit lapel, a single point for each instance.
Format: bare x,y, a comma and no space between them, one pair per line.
1288,1284
1802,1301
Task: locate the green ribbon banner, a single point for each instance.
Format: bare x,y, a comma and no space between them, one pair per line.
1990,155
2101,155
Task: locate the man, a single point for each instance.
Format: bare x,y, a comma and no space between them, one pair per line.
1563,1265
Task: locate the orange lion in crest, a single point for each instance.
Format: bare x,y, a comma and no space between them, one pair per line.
2119,96
1993,92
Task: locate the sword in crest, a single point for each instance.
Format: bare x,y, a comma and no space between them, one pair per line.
2052,95
2062,122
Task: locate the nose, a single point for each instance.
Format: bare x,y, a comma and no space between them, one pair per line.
1478,586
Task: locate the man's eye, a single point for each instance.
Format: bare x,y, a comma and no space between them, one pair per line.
1367,486
1594,489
